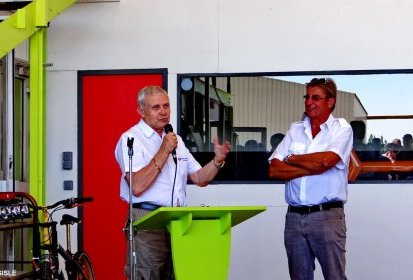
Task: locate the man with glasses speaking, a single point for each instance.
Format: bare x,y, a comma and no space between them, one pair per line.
313,158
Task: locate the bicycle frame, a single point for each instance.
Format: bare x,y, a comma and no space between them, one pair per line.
47,265
55,249
72,267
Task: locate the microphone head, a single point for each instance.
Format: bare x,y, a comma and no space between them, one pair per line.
168,128
130,142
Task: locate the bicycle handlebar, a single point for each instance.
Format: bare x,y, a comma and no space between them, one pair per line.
66,203
70,202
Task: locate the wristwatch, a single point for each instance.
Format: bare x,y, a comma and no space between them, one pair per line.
287,158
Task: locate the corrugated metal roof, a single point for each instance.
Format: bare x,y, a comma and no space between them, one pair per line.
275,104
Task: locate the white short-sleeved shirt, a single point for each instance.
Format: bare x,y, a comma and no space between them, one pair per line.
146,144
336,136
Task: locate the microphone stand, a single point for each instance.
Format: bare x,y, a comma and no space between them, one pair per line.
132,254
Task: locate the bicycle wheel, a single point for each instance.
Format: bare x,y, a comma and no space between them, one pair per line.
86,265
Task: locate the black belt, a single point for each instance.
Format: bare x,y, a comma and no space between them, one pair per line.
146,206
315,208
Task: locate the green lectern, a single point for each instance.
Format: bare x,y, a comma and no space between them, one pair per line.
200,237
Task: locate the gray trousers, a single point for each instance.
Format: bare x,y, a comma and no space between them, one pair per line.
320,235
153,253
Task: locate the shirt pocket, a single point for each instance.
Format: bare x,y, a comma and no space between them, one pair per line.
182,166
297,148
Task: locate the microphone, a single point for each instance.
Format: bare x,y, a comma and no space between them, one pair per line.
168,128
130,146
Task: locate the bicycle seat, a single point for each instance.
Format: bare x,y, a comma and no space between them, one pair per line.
69,220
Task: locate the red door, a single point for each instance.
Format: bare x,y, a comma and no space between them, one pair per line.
107,107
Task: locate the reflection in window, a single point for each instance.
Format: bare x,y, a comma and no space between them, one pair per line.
254,112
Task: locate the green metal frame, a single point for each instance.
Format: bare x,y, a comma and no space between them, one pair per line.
30,23
37,163
27,21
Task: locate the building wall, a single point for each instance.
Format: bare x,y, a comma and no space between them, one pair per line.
228,36
262,102
272,103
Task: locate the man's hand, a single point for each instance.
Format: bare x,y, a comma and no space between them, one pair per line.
169,142
221,151
203,176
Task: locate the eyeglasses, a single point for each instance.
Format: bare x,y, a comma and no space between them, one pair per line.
314,97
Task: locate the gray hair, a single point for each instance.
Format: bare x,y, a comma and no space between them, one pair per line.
149,90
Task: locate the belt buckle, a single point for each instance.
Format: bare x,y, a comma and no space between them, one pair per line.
307,209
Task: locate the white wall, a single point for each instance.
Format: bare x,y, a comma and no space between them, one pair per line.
379,231
203,36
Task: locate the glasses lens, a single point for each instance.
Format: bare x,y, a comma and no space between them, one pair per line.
313,97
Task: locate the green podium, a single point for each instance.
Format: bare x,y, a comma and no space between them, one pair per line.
200,237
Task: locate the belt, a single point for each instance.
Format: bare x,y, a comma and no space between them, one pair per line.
315,208
146,206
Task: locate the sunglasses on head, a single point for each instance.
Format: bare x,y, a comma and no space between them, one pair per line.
320,81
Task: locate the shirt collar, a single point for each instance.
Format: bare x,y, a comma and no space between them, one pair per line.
326,125
329,122
146,129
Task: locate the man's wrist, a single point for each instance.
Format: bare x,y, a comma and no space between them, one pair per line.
287,158
156,165
217,164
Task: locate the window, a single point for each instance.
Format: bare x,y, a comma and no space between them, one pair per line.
14,120
254,111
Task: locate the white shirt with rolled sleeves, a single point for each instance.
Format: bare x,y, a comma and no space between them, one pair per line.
146,144
336,136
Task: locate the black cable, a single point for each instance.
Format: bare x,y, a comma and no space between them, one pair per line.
173,186
172,204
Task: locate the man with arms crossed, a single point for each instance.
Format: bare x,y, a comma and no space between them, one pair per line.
313,158
153,173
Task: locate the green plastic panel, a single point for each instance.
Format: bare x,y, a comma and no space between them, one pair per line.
161,217
200,237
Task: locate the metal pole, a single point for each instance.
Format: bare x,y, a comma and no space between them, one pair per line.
132,255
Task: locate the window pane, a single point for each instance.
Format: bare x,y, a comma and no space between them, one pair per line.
254,112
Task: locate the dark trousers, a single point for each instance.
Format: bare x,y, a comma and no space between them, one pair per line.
153,253
319,235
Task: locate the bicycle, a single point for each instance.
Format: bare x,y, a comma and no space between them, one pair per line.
78,265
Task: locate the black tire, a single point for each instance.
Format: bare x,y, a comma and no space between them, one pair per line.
86,265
